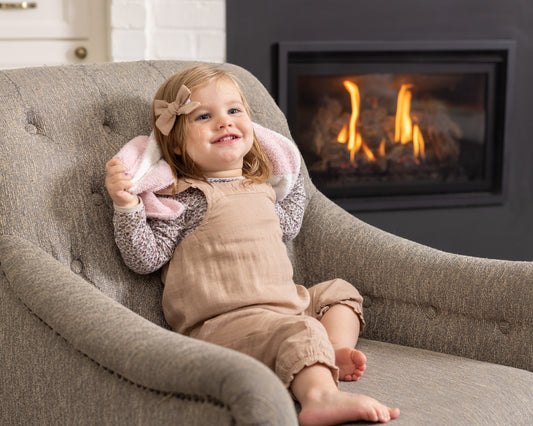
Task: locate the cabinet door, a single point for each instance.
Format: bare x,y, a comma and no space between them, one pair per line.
52,32
49,19
33,53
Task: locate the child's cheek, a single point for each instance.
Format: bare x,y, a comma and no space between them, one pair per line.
198,134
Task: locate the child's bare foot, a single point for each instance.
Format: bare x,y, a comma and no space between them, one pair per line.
330,408
351,363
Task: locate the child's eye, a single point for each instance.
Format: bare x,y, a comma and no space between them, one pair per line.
203,116
234,111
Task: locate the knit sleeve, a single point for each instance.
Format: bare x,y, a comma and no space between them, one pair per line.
148,244
290,210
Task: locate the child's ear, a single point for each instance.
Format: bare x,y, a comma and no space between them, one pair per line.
177,150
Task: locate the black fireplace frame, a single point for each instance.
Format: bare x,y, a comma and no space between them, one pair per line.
498,56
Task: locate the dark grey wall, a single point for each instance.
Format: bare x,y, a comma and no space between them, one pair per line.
504,232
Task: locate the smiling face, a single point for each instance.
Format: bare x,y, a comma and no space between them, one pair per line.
219,132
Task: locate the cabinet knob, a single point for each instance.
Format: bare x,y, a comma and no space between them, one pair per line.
80,52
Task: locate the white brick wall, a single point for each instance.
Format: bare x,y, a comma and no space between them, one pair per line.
168,29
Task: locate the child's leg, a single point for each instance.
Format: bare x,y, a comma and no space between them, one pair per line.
324,404
342,325
339,307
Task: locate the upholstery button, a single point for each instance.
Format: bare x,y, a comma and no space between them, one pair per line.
107,129
31,129
367,302
431,312
76,266
97,198
504,326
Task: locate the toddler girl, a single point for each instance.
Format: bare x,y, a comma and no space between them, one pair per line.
227,275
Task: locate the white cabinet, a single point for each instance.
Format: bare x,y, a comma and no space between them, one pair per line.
52,32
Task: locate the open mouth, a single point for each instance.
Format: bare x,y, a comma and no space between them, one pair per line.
226,139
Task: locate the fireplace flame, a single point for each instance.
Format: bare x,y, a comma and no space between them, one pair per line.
418,143
404,131
368,152
404,126
382,148
354,139
343,135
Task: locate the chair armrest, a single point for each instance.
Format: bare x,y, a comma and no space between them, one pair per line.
136,349
419,296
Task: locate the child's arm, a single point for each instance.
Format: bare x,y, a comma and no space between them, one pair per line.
290,210
145,245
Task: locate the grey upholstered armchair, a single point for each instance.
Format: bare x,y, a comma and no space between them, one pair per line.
82,339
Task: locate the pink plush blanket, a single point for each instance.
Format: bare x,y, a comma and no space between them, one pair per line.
151,173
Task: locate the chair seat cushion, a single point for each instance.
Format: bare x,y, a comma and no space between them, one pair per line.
439,389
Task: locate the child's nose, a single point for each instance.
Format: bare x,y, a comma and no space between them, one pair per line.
225,121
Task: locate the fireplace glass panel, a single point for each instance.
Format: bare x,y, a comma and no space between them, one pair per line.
393,133
400,125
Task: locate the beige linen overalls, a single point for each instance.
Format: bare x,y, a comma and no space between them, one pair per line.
230,283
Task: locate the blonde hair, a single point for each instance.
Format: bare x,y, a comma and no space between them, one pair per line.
255,163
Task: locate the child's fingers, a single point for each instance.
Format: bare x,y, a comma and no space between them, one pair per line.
116,172
121,196
113,162
115,166
118,182
114,186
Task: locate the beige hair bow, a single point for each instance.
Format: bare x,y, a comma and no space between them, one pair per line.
167,112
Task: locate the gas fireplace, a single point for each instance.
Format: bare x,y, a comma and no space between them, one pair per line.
400,125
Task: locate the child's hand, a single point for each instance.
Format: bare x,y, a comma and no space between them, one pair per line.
117,183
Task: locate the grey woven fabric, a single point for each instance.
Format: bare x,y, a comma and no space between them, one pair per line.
461,391
83,340
418,296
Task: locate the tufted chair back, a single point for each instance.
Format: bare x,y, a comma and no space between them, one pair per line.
66,123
